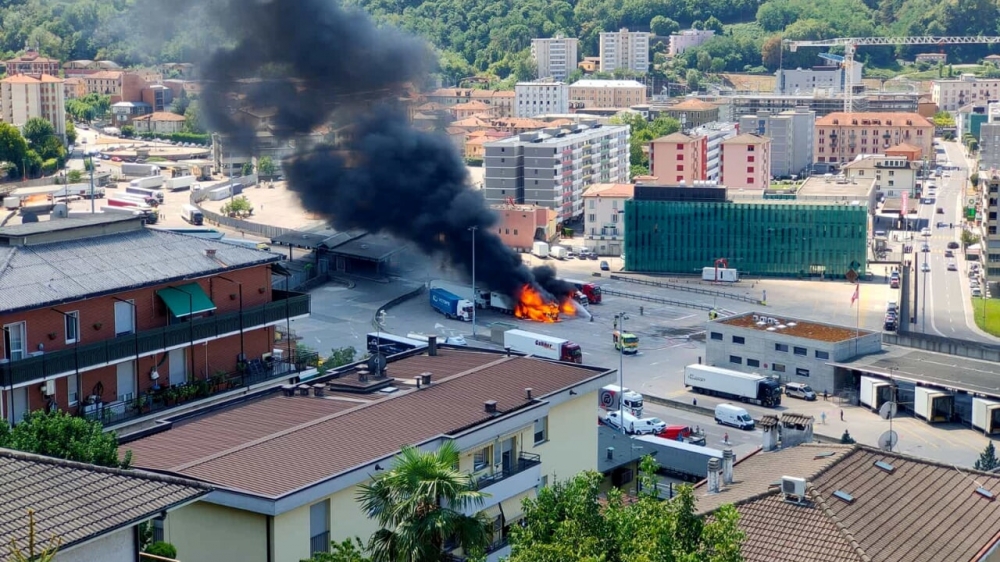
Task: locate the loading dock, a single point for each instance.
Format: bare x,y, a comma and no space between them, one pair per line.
986,415
933,405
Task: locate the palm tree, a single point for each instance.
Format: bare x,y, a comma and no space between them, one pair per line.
419,504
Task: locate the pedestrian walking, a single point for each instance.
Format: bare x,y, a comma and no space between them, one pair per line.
694,401
725,438
824,396
822,417
841,415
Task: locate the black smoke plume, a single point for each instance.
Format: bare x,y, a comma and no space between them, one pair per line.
319,59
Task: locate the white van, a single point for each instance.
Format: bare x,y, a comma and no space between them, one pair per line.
799,390
634,425
727,414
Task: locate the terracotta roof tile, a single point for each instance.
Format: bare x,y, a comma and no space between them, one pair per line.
610,190
274,446
78,502
471,105
747,138
675,137
693,105
898,119
104,75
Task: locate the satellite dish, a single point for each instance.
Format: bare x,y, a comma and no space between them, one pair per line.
888,440
888,410
376,363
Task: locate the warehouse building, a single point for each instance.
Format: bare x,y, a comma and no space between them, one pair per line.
681,230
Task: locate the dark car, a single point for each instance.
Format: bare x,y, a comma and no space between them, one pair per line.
940,210
605,266
953,245
949,254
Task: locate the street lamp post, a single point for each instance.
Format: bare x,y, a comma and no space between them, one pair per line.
473,229
620,321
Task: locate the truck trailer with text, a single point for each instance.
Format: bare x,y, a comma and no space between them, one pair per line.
745,387
542,345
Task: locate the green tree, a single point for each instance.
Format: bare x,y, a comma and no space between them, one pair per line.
180,104
713,24
238,207
58,434
340,357
346,551
974,179
693,78
128,131
265,167
247,169
192,119
74,176
36,131
568,522
943,119
161,548
419,503
70,132
663,26
33,554
13,148
987,459
969,239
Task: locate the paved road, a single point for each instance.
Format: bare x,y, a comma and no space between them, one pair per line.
945,308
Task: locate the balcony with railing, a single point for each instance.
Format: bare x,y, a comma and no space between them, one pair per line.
121,348
524,463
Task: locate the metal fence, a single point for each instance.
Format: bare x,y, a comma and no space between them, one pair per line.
217,219
659,300
688,288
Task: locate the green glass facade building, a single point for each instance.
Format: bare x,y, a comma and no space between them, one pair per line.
766,238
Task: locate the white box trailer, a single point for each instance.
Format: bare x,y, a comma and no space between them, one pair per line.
540,250
745,387
541,345
689,462
179,183
986,415
720,274
140,170
933,405
558,252
501,302
875,392
148,182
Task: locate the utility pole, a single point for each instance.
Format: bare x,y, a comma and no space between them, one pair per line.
474,292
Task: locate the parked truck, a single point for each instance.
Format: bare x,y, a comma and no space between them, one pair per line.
148,182
180,183
933,405
479,296
684,460
626,343
745,387
609,397
541,345
986,415
140,170
720,274
502,303
591,290
875,392
540,250
558,252
451,305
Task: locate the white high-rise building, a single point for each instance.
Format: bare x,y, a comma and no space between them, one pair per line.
625,49
553,167
554,58
23,97
540,97
791,133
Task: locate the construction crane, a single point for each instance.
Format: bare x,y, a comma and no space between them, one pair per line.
851,44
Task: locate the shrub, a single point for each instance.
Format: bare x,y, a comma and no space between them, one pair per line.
164,549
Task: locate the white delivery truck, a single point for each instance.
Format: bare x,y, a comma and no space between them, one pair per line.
558,252
986,415
609,396
727,414
179,183
720,274
542,345
933,405
540,250
745,387
875,392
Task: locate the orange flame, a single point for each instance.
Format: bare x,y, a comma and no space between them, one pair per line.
567,306
532,306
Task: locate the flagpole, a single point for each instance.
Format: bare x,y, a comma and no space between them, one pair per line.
857,320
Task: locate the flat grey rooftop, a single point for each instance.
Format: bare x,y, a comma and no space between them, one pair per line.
68,223
940,369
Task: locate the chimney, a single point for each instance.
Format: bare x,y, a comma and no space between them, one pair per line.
490,406
418,382
210,252
507,349
727,466
432,346
611,453
426,377
713,476
527,393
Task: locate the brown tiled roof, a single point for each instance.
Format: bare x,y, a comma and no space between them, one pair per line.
898,119
921,511
104,75
78,502
905,146
675,137
273,447
610,190
471,121
472,105
693,105
796,419
747,138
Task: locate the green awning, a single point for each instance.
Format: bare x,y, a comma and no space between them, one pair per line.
185,300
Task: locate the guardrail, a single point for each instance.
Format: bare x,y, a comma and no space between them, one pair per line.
659,300
688,288
121,348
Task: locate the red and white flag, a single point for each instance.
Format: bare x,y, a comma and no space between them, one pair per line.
857,293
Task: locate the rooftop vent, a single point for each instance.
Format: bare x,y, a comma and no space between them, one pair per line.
425,378
885,466
844,497
985,493
490,406
610,454
527,393
210,252
825,455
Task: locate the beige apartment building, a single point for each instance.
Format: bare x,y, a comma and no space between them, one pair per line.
746,162
952,94
841,137
678,159
607,93
24,97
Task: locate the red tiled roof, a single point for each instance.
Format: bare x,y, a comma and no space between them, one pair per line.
898,119
693,105
104,75
276,445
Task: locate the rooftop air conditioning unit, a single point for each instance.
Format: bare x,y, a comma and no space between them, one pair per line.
49,388
792,486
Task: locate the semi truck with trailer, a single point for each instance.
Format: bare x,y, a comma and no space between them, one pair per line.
542,345
745,387
81,190
479,296
591,290
986,415
140,170
684,460
451,305
148,215
612,397
933,405
727,275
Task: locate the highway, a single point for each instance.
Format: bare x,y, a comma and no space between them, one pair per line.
945,307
